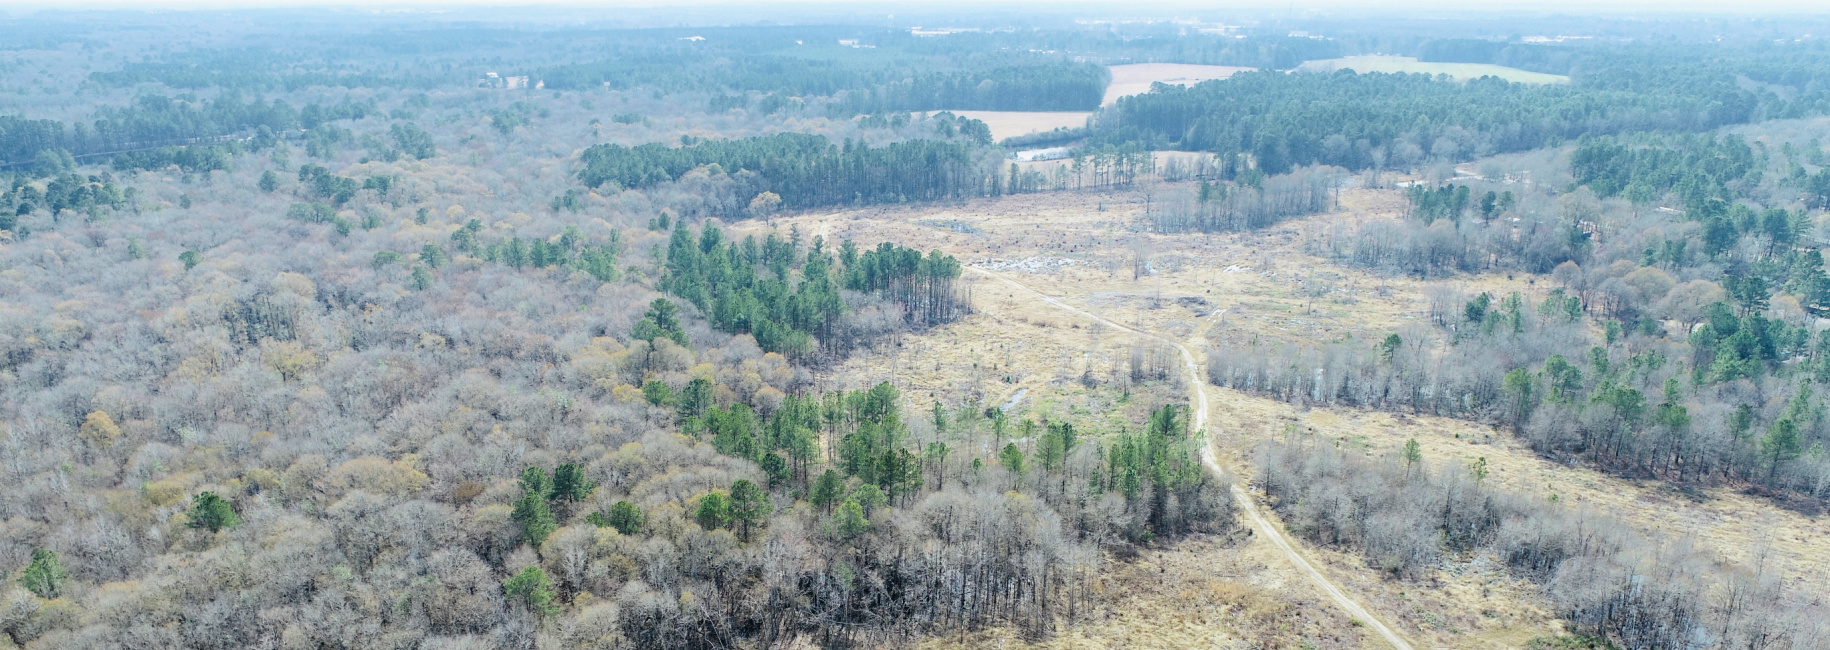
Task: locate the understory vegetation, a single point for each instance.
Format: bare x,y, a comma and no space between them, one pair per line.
1407,514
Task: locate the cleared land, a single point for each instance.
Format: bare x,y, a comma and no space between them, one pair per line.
1460,71
1130,79
1136,78
1079,250
1005,124
1224,591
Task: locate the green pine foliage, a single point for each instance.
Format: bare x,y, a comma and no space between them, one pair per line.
45,576
570,484
1284,121
789,301
212,513
531,588
413,141
749,506
567,250
190,160
625,517
532,511
713,511
661,320
804,170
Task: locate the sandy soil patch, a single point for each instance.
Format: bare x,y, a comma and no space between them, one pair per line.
1135,78
1460,71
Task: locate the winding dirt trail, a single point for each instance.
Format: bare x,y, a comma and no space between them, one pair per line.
1260,525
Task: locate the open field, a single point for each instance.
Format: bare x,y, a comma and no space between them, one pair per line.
1461,71
1129,79
1005,124
1136,78
1018,344
1080,250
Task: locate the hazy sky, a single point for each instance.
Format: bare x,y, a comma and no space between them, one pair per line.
1611,7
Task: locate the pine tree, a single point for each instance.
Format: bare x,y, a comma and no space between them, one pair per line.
570,484
749,506
44,576
212,513
848,521
714,510
827,490
532,589
625,517
1779,445
422,279
531,510
1012,459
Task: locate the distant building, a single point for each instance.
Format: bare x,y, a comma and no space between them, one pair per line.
692,38
943,31
516,82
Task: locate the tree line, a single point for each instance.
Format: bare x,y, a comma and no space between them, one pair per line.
1365,121
804,170
153,120
1042,87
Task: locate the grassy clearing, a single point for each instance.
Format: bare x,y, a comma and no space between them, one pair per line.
1240,288
1199,593
1460,71
1006,124
1136,78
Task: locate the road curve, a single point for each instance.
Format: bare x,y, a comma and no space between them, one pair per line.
1260,525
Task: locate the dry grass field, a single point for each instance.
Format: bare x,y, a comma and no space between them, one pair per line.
1130,79
1005,124
1081,249
1461,71
1136,78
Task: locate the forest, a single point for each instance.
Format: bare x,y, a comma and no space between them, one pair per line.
1399,120
531,328
1656,355
802,171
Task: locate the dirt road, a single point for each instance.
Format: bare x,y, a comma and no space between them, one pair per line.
1260,526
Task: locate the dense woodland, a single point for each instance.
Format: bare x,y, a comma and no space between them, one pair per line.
461,335
802,171
1399,120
